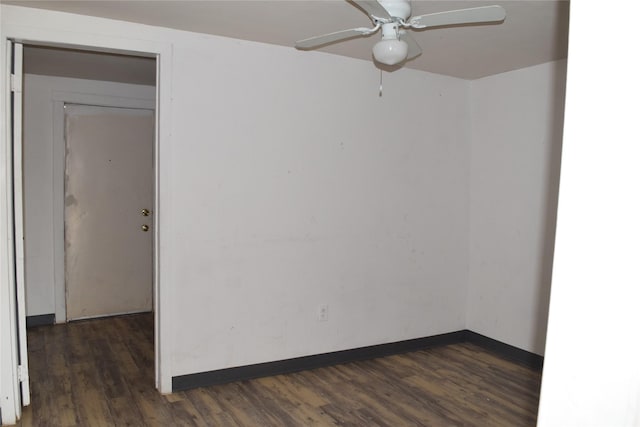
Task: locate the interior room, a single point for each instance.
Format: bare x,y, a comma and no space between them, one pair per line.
310,208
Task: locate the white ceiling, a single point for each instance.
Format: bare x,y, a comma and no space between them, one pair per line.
533,32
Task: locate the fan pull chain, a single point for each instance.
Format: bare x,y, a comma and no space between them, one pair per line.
380,92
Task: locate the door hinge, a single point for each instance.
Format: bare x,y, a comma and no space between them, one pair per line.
23,373
16,83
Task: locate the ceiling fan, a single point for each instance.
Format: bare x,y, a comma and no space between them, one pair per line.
392,16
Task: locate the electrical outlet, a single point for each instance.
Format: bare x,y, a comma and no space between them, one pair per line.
323,313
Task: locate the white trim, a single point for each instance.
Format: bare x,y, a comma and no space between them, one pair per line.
18,221
163,289
9,384
103,100
59,98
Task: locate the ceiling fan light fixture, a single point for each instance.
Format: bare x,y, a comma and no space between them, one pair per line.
390,51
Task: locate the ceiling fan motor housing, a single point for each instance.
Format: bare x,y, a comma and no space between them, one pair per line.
397,8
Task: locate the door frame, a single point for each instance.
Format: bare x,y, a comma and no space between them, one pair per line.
163,290
60,98
14,363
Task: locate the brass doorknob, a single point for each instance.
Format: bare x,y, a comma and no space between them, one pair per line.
145,227
145,212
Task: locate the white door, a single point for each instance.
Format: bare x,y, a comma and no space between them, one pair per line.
108,218
19,356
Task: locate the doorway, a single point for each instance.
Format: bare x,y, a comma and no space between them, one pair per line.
62,90
54,78
160,53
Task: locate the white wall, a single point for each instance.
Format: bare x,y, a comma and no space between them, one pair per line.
515,162
40,181
592,372
294,184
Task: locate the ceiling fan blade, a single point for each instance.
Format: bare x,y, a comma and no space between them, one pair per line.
474,15
318,41
372,8
414,47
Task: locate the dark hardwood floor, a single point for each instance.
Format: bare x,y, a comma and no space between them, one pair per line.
100,373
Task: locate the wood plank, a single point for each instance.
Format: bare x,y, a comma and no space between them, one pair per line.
100,373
